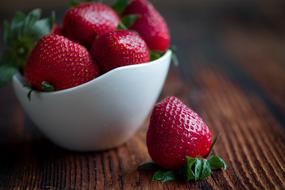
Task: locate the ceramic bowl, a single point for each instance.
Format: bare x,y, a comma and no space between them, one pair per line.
100,114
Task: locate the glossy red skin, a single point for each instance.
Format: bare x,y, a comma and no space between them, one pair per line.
175,131
56,30
87,21
151,25
119,48
60,62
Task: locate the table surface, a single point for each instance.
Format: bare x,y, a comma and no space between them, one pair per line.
231,72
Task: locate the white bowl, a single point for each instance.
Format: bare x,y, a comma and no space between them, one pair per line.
100,114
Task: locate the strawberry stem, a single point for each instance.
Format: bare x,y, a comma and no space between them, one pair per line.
29,95
212,146
47,87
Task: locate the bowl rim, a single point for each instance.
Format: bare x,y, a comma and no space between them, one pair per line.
18,78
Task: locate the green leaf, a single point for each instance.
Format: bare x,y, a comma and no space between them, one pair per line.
190,162
148,166
73,3
120,6
163,176
217,162
174,57
32,17
20,36
121,26
129,20
40,28
197,169
47,87
155,55
52,19
206,170
6,74
16,27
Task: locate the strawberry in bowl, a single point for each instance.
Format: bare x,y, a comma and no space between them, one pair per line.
85,22
87,85
58,63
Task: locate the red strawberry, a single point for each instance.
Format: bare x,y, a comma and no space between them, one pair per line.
175,131
59,62
56,30
86,21
119,48
150,24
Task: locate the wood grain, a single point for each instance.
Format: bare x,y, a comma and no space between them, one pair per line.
255,51
250,140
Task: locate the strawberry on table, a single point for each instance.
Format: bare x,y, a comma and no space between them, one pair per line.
150,24
119,48
175,131
86,21
180,142
57,63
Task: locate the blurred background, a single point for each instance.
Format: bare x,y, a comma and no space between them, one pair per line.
244,38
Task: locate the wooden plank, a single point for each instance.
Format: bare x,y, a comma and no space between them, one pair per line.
250,140
242,126
260,53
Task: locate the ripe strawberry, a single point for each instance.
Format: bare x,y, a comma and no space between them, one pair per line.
150,24
175,131
86,21
119,48
59,62
56,30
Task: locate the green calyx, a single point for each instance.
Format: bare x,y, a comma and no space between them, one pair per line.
155,55
73,3
121,26
20,36
194,169
129,20
47,87
120,6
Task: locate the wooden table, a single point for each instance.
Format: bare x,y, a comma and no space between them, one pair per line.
231,72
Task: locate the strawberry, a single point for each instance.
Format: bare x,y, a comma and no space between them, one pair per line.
56,30
175,131
119,48
150,24
84,22
58,63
